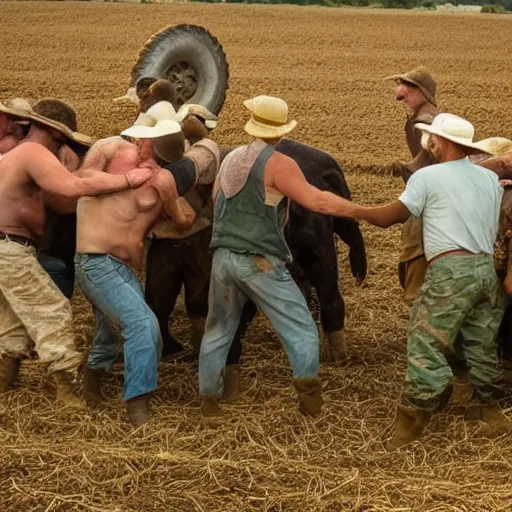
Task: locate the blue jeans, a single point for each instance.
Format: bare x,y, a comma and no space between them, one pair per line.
236,278
61,275
118,304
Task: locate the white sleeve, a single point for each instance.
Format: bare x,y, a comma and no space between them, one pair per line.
414,196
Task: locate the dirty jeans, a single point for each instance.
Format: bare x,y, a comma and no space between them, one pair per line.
461,294
119,306
34,315
61,274
237,278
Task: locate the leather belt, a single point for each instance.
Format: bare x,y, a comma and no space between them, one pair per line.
23,240
455,252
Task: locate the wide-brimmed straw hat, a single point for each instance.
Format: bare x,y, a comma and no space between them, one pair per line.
17,107
450,127
494,145
159,120
422,79
269,118
60,116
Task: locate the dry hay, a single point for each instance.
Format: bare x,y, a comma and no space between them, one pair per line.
328,64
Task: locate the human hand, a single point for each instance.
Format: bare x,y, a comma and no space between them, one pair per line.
505,183
139,176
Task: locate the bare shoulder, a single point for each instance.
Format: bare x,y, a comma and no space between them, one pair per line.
281,162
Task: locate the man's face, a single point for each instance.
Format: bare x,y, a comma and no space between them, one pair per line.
409,94
433,144
125,159
8,126
145,149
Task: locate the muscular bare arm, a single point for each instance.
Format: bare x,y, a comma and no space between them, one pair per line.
53,177
287,178
174,206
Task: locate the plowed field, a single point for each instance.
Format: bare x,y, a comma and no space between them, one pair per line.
328,64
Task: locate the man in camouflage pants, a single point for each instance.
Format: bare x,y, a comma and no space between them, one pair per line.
459,204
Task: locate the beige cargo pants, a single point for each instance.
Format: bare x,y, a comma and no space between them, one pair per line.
34,315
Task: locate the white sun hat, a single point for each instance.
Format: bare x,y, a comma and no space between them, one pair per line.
450,127
269,118
159,120
494,145
210,119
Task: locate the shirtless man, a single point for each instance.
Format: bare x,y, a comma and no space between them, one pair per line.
111,231
34,315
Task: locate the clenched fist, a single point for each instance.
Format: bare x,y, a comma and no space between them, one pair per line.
137,177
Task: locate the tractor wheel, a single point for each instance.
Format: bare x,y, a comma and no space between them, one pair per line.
191,59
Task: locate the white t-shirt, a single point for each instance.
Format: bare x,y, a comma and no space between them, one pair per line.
459,204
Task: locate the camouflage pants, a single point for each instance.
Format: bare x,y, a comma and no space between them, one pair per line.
461,294
34,315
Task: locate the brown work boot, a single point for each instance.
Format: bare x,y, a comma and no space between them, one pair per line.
409,426
210,410
231,383
196,336
337,344
492,415
138,410
92,386
65,394
310,395
461,394
9,370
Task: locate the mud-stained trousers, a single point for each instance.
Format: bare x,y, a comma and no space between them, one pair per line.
461,294
34,315
170,265
268,283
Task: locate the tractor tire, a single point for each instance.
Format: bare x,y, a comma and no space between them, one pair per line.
191,59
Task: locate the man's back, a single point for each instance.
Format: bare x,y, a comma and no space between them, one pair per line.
459,203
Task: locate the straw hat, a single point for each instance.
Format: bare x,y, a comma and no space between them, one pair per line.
422,79
269,118
452,128
17,107
159,120
494,145
60,116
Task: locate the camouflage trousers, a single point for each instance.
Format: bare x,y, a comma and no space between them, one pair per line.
34,315
461,295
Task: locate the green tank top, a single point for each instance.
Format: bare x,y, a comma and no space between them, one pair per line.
245,224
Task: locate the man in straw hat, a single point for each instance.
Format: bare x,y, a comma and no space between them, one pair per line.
34,315
111,232
251,195
495,154
459,203
417,90
12,123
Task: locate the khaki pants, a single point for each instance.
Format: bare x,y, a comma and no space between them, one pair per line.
34,315
412,276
